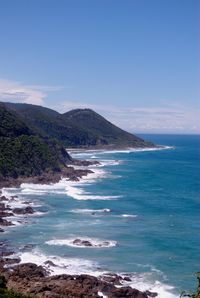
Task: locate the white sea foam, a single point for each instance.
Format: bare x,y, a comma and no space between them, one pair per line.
61,265
90,153
91,211
81,242
42,189
15,200
78,193
102,295
130,150
18,201
64,186
38,213
144,282
129,215
76,266
16,223
109,162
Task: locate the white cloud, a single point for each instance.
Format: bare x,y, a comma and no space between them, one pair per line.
18,92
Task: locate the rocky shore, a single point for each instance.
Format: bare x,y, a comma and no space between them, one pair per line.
68,172
36,281
6,211
52,177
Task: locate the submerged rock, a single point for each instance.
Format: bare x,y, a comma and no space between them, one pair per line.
80,242
4,222
26,210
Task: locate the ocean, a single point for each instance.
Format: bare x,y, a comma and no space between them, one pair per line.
139,210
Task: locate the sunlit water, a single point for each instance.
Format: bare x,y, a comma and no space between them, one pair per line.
140,211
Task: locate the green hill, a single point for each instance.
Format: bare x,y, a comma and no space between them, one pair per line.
76,128
23,152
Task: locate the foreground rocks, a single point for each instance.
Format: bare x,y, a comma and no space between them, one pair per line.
30,279
35,281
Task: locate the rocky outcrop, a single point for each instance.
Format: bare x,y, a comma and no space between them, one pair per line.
7,211
4,222
26,210
67,172
91,243
84,163
33,280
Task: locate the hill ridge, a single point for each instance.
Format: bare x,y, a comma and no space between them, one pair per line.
77,128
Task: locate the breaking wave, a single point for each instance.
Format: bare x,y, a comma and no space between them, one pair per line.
83,242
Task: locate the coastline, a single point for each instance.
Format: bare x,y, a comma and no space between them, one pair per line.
33,279
68,172
95,286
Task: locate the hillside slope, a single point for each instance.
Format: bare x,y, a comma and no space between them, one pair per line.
80,128
22,152
103,132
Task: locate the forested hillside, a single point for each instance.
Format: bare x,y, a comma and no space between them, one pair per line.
77,128
22,152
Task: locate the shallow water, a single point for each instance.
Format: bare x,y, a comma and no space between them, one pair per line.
144,204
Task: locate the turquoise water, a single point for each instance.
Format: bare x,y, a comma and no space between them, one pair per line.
152,224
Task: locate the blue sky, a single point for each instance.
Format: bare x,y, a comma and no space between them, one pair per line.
133,61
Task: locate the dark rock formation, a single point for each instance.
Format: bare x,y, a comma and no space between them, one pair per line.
26,210
79,242
3,198
4,210
4,222
47,177
84,163
33,280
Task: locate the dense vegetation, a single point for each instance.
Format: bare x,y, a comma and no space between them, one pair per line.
22,152
11,125
80,127
29,156
32,138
